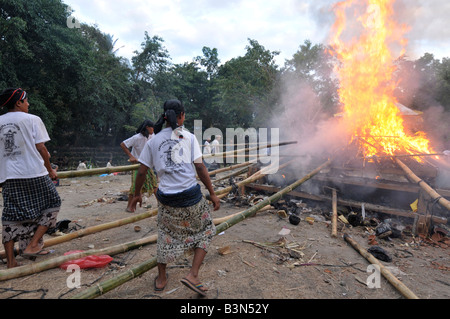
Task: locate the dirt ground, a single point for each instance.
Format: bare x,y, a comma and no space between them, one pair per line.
242,262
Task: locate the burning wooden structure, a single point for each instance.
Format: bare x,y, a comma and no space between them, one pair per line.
378,186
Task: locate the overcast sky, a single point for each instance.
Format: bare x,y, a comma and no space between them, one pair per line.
283,25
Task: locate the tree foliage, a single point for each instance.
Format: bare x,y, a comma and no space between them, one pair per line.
87,95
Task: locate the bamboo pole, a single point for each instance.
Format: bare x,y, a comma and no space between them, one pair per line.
229,168
368,206
430,191
115,169
97,171
258,175
334,218
113,250
239,172
95,229
270,199
235,152
384,271
112,283
57,261
102,227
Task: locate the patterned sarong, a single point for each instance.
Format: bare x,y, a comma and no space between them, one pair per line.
149,185
183,228
23,232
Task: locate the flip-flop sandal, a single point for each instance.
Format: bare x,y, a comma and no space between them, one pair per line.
160,289
41,252
194,287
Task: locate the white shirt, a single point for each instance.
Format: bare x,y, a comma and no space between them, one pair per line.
137,143
19,134
81,167
215,147
172,158
207,148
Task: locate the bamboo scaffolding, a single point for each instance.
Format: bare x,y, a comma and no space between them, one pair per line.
430,191
141,268
384,271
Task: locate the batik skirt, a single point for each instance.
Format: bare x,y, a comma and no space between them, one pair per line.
28,203
183,228
150,182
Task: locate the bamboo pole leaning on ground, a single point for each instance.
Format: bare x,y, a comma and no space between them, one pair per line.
95,229
106,226
335,214
50,263
275,197
112,250
141,268
430,191
384,271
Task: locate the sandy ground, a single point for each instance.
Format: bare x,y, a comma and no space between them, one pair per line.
249,269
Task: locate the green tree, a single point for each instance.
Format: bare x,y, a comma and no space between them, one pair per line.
313,66
245,88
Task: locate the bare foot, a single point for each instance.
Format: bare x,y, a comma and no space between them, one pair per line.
12,264
160,283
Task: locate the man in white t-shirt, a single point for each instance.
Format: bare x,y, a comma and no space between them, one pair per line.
136,143
215,145
184,219
31,202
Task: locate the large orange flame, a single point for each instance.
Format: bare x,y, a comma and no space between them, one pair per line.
363,45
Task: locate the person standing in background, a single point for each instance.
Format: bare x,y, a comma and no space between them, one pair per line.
137,142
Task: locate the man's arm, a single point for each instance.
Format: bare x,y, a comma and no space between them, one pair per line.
202,173
42,149
127,151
